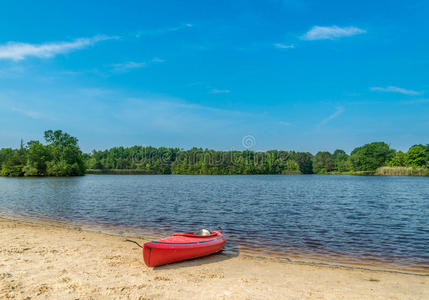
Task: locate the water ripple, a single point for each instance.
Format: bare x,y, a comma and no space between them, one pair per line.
362,218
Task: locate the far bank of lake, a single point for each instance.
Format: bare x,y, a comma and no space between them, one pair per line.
382,171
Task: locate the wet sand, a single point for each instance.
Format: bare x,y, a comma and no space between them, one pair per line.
51,262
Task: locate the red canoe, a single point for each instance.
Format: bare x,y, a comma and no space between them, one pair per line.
182,246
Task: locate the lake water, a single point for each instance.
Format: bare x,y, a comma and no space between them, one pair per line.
348,219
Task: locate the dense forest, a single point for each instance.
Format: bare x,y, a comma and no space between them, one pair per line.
362,160
61,156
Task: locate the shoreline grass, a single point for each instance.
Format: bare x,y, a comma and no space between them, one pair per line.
401,171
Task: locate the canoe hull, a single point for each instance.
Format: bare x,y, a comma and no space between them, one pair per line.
159,253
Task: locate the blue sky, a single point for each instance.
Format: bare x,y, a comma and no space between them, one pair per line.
301,75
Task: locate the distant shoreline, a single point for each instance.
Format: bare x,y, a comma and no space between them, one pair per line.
383,171
61,156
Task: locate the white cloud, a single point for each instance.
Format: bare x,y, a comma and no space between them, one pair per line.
394,89
337,113
128,66
284,46
285,123
19,51
216,91
331,32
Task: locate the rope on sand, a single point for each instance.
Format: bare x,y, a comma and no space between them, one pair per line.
127,240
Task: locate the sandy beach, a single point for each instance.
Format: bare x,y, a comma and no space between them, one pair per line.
50,262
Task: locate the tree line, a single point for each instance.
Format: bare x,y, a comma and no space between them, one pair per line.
61,156
370,157
162,160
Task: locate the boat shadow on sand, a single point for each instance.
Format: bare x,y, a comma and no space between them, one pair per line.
229,253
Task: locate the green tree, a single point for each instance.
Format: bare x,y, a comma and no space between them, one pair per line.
427,155
5,153
67,156
14,161
13,164
37,157
371,156
416,156
323,163
399,160
304,161
341,163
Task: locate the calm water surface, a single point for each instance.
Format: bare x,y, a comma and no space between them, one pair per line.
351,218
